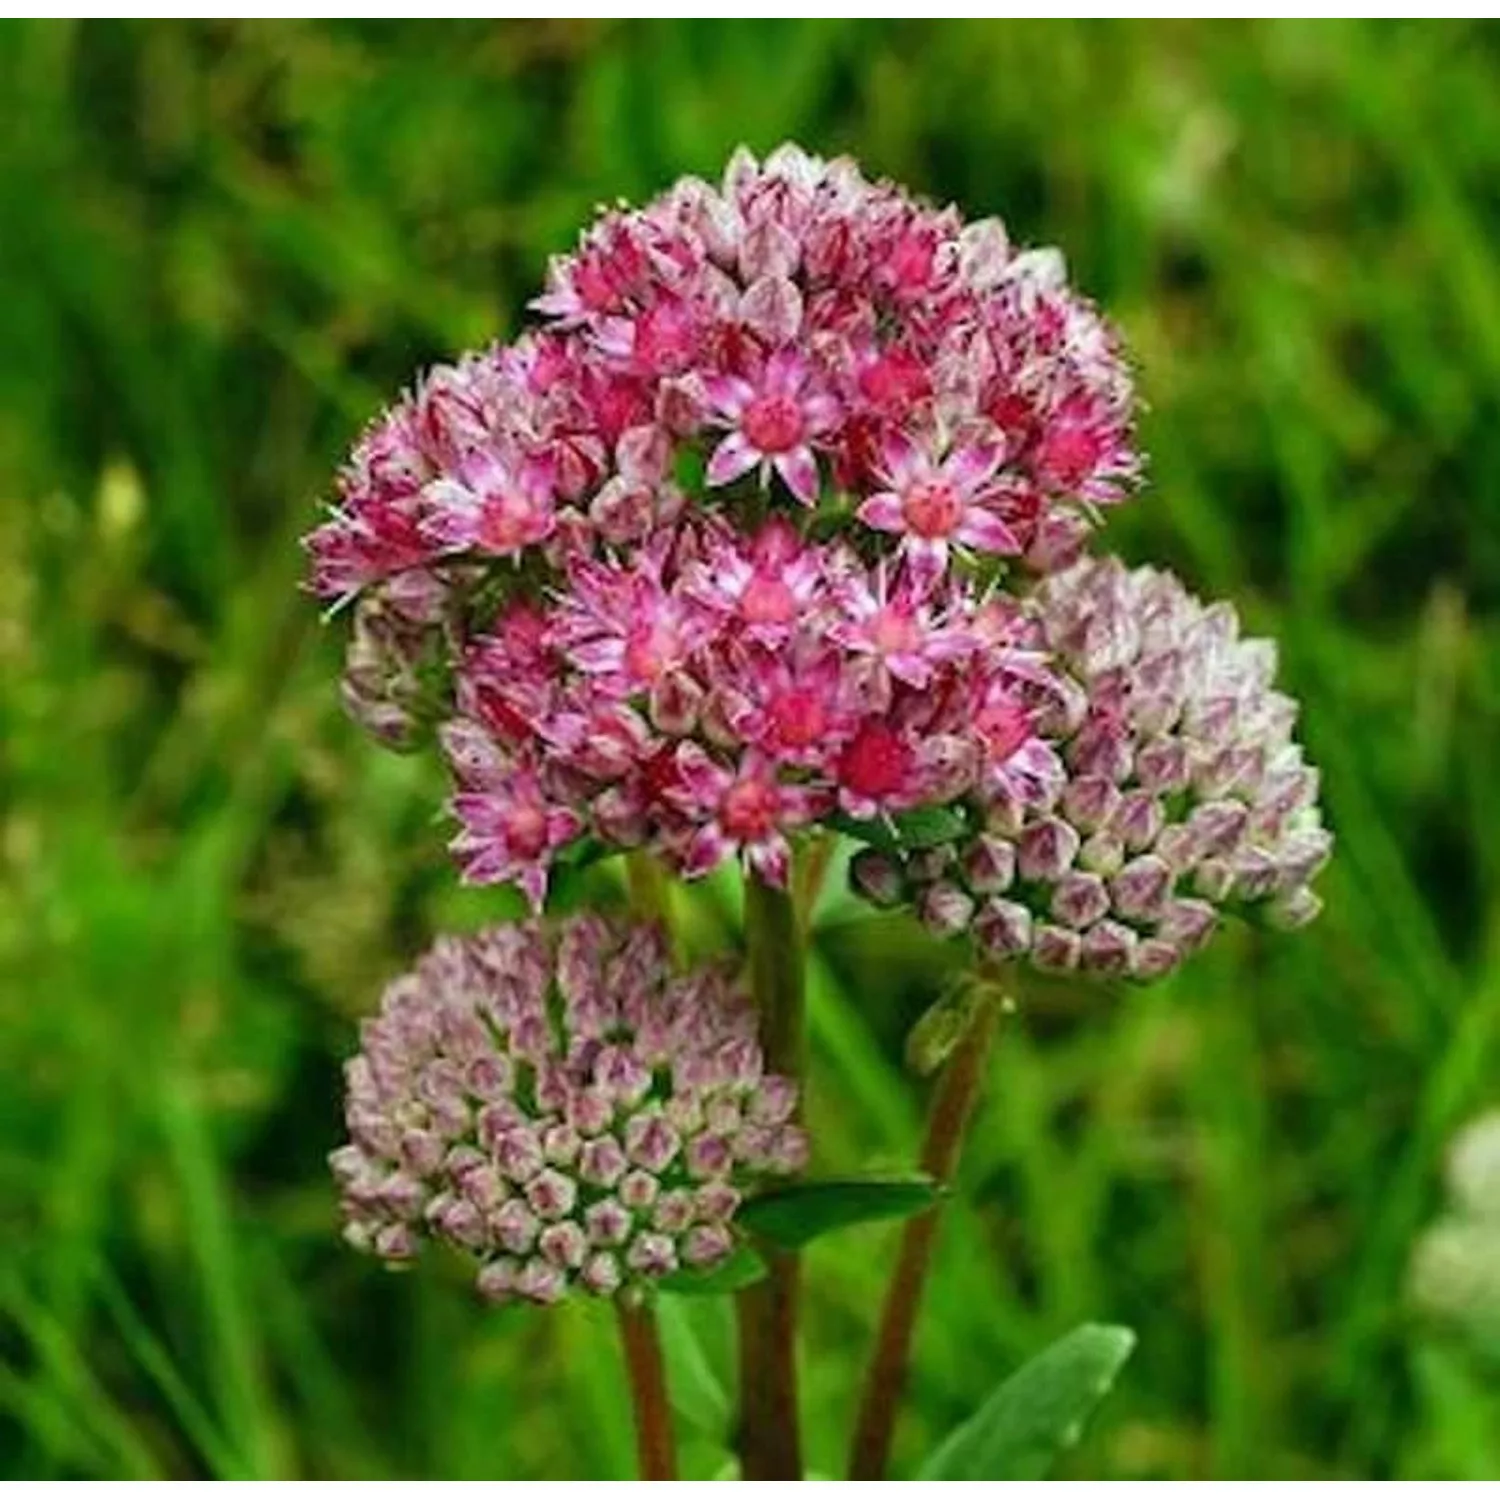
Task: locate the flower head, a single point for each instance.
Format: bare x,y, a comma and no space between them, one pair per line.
511,830
553,1101
1175,791
905,628
720,535
712,694
775,418
937,504
963,395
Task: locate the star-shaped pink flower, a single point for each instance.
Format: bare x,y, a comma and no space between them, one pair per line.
511,831
934,505
746,809
775,419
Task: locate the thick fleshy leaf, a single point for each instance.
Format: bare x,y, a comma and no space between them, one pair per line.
1036,1413
793,1216
741,1268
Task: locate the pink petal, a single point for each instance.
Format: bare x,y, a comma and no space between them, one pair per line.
605,654
452,527
533,882
985,530
970,467
821,412
927,557
615,336
708,849
903,459
481,866
562,827
910,668
858,806
476,808
883,512
702,778
800,471
771,860
728,393
732,458
785,373
644,454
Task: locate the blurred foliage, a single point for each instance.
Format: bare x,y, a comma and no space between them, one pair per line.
223,245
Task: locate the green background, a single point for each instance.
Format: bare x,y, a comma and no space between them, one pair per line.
223,246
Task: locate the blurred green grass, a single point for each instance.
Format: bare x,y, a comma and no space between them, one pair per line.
222,245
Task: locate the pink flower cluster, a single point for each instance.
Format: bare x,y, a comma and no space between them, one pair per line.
715,692
798,321
713,552
553,1101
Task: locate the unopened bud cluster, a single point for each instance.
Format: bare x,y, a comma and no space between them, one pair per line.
1182,793
552,1099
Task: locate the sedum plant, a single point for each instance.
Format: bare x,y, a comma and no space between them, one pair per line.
773,530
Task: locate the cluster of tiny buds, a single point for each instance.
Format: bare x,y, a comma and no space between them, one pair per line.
1183,795
552,1099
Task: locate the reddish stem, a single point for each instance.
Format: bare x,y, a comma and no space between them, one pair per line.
947,1124
655,1453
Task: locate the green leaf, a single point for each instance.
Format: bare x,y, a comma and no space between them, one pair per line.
792,1216
698,1395
924,827
582,853
919,828
741,1268
1036,1413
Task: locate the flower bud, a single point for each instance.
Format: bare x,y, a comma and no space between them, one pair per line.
877,877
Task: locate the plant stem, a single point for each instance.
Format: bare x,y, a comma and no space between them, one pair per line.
649,887
650,891
947,1122
811,870
655,1452
768,1438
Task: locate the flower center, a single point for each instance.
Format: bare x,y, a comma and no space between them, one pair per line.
767,601
749,810
798,718
509,521
1069,456
1004,724
650,649
932,508
772,424
893,631
876,763
526,830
